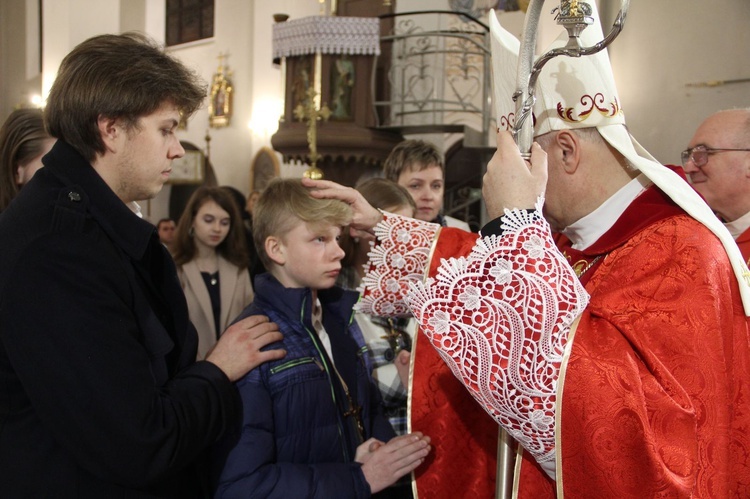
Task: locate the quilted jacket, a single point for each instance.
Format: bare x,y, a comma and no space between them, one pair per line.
295,439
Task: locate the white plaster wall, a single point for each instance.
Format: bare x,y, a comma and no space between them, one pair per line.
66,23
666,45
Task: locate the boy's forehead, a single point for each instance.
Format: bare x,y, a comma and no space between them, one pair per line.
316,227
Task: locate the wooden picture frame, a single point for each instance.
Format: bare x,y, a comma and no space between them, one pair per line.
189,169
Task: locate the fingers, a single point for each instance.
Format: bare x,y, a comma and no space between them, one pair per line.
374,444
404,357
408,452
538,163
251,322
325,189
269,355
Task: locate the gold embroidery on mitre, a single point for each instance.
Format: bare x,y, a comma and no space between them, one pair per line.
590,103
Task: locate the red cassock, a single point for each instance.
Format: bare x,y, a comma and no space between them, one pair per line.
654,397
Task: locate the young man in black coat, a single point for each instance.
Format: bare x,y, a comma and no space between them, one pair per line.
100,395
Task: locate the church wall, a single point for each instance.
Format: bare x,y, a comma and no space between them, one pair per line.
666,46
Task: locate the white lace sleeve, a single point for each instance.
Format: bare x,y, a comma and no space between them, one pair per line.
500,320
399,257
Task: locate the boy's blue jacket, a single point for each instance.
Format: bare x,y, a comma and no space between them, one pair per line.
294,441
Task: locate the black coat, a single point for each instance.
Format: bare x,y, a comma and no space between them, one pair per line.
100,396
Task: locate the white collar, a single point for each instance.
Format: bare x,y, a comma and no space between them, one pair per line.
586,231
737,227
135,208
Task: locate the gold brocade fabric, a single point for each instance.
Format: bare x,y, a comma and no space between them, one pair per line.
464,436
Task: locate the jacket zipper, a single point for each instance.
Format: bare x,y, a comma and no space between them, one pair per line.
314,338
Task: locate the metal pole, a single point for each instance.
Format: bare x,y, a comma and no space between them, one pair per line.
574,15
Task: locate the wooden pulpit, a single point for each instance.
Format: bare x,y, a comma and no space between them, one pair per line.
335,57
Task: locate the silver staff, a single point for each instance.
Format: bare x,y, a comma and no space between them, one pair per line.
575,16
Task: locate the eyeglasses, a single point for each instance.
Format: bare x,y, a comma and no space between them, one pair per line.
699,154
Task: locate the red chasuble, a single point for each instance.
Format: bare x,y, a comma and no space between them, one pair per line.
656,392
464,437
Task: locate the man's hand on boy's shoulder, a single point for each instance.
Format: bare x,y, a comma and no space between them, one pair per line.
238,350
384,463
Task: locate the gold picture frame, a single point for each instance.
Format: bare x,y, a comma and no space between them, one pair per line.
220,102
189,169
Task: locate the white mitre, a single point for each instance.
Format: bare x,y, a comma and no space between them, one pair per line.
581,93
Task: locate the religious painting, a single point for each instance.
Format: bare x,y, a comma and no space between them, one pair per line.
342,81
301,79
220,102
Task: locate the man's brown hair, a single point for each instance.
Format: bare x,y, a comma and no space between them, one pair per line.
125,77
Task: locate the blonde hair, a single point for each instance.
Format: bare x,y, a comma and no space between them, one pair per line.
283,204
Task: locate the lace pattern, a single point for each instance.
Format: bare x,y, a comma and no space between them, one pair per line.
400,258
327,35
500,319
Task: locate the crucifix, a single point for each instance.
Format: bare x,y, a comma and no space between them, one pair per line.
309,111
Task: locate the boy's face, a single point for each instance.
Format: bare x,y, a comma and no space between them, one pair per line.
308,256
426,188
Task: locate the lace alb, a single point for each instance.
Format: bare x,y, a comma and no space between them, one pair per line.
500,319
400,257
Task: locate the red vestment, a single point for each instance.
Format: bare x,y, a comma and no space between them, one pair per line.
655,392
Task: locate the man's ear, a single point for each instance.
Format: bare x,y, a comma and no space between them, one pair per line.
110,131
570,148
275,250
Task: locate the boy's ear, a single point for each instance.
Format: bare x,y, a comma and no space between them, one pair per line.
275,250
110,131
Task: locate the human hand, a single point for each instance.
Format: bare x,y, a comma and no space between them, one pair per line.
364,216
238,350
384,464
402,363
364,450
510,182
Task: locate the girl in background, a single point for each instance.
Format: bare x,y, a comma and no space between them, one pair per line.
211,258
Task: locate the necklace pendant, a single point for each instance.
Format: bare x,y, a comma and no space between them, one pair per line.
213,281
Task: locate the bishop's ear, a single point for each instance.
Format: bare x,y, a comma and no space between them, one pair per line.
569,145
